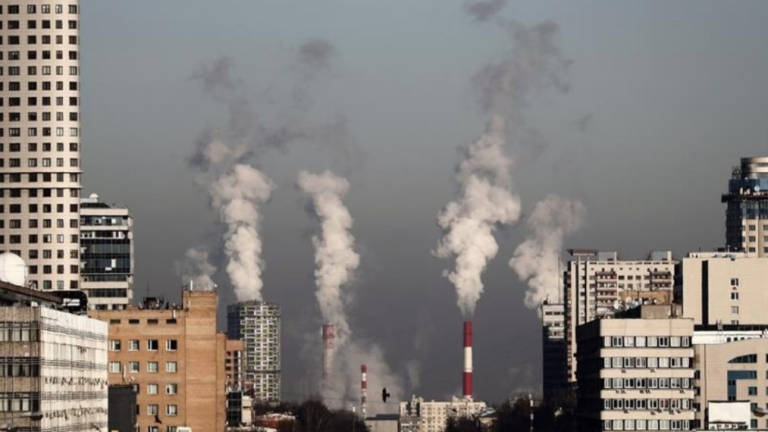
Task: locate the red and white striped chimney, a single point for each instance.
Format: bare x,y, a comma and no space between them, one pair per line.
329,336
363,388
468,359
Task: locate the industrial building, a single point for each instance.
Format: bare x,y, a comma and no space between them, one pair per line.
598,284
174,357
746,220
636,371
257,324
106,254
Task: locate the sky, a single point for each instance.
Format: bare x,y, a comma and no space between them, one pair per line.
664,98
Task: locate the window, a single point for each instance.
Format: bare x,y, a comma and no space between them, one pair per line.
171,367
752,390
171,410
171,345
734,309
173,388
152,367
152,344
134,367
152,389
114,367
152,409
114,345
735,281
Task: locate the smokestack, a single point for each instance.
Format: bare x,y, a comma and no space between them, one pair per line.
363,388
468,359
329,336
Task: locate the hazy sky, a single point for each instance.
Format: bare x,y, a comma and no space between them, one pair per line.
665,97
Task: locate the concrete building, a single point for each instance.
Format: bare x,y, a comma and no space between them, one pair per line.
597,284
52,370
40,140
233,364
554,351
636,371
174,357
106,254
418,415
724,288
746,215
257,324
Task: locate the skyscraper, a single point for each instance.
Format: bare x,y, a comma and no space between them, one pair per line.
257,324
40,139
746,214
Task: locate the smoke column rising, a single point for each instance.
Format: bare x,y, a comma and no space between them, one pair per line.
536,261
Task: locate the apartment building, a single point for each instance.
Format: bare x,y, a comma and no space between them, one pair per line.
598,284
257,324
174,357
724,288
636,371
40,139
554,351
746,215
418,415
106,253
233,363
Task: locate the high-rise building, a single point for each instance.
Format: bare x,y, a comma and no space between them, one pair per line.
106,253
40,139
636,371
554,351
257,324
174,357
746,214
598,284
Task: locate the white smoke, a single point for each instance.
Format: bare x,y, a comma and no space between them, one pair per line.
485,202
536,261
335,255
196,268
238,195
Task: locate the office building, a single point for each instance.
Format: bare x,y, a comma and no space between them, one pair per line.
724,288
636,371
257,324
746,214
418,415
554,351
598,284
106,254
40,140
174,357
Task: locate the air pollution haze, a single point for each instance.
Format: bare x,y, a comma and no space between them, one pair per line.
536,261
197,269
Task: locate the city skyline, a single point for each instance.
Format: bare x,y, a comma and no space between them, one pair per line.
578,126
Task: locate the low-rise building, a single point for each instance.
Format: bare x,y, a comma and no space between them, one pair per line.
418,415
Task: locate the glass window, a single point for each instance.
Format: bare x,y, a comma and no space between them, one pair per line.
133,345
152,389
171,367
114,367
152,367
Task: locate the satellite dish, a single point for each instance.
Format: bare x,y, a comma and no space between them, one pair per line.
13,270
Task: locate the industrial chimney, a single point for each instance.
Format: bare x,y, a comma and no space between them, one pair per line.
468,359
363,389
329,336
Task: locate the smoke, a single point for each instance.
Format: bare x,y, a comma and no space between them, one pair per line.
485,202
196,268
536,261
238,195
483,10
335,256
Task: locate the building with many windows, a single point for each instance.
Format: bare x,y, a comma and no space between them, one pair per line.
40,139
106,254
257,324
174,357
419,415
636,371
746,214
554,352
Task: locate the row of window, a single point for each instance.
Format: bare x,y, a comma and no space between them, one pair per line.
647,341
44,70
152,388
48,285
646,404
33,239
14,86
150,321
44,162
33,208
135,367
646,362
44,39
646,425
34,177
46,146
33,223
48,269
135,345
170,410
157,428
45,9
44,24
44,131
48,253
44,55
646,383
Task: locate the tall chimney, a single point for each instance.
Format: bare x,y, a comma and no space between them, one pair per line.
363,388
329,336
468,359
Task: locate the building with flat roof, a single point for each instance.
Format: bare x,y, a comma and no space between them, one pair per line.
418,415
746,214
174,357
636,371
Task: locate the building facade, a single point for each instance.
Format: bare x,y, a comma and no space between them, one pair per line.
418,415
40,139
746,214
174,357
598,284
636,373
257,324
106,254
726,288
233,364
554,351
53,370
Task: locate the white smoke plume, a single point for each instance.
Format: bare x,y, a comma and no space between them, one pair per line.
485,202
238,196
536,261
196,268
335,255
